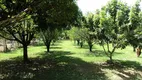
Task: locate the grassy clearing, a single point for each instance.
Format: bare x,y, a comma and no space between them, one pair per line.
66,61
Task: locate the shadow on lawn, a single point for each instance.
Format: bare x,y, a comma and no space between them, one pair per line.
58,65
120,64
55,47
52,44
127,70
133,75
100,53
131,64
85,47
54,66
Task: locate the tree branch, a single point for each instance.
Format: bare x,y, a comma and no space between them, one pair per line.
108,46
16,38
6,37
31,36
20,35
105,50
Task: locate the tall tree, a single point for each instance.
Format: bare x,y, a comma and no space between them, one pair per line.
23,32
74,34
122,23
57,14
134,23
16,22
111,25
48,36
88,23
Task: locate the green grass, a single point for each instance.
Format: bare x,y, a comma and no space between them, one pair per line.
66,61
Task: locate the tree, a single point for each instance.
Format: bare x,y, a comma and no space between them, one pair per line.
134,24
14,14
89,29
23,32
56,15
86,35
74,34
111,24
48,36
16,22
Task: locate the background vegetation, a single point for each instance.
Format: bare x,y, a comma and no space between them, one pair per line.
59,42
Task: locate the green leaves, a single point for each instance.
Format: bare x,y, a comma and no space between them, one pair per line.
114,20
134,14
112,8
133,36
58,12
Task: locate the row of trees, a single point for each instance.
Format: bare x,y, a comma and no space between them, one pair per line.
22,20
115,26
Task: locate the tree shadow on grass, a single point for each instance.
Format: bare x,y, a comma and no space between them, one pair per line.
131,65
54,54
55,47
57,43
127,70
57,66
38,44
52,44
85,47
100,53
121,64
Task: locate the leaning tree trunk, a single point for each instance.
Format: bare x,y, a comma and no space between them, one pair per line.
25,54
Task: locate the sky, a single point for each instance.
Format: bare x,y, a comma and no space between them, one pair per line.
92,5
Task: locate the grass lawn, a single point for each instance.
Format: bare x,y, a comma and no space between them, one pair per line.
66,61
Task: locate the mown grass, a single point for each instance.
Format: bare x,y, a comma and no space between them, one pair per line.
66,61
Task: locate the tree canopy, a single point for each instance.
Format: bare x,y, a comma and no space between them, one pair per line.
21,19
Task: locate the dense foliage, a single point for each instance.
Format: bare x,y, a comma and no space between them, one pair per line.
115,26
22,19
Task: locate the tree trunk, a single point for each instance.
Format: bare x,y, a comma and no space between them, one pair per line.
81,44
111,60
25,54
90,48
78,41
134,49
5,46
48,46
